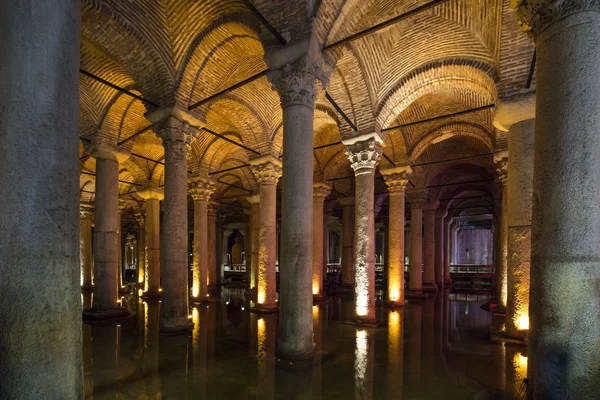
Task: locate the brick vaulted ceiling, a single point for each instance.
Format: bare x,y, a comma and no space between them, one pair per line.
458,55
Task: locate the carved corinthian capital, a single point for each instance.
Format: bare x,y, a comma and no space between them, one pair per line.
363,151
201,189
266,169
396,179
501,165
321,191
537,15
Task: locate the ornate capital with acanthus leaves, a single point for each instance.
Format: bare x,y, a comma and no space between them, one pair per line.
86,211
501,165
363,151
396,178
140,219
537,15
321,191
417,198
201,189
212,209
266,169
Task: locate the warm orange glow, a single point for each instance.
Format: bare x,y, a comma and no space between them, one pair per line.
195,290
394,341
361,351
315,313
394,293
315,288
260,298
160,290
522,322
519,364
140,292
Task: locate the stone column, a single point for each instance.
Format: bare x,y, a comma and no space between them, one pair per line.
364,152
121,252
325,248
429,247
516,115
347,204
501,161
447,252
211,234
565,270
396,180
200,190
415,282
141,250
320,193
106,232
267,170
254,201
439,246
86,214
176,135
153,195
296,83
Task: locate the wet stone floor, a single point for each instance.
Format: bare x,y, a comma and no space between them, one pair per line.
435,348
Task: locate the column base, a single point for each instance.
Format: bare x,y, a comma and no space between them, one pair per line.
361,321
319,298
415,294
86,286
448,281
151,294
104,313
204,300
393,304
263,309
345,288
504,337
175,325
123,290
499,310
429,287
288,356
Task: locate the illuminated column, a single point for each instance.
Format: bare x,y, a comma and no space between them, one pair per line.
364,364
429,247
347,204
141,250
176,135
364,152
395,353
106,232
501,161
517,116
153,195
396,180
200,190
565,270
439,246
211,253
254,201
415,282
86,214
122,206
320,193
267,170
447,254
296,81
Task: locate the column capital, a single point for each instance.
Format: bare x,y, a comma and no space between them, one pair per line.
253,199
363,151
417,198
321,191
501,165
514,109
107,151
140,219
396,178
266,169
212,209
298,71
86,211
535,16
175,124
201,189
151,191
346,201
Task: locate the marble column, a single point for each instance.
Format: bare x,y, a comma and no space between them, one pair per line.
447,252
121,252
396,180
415,281
267,170
211,254
153,195
254,201
501,161
364,152
347,204
86,214
106,233
429,247
320,193
141,249
325,246
176,135
565,270
200,190
516,114
296,82
40,300
439,246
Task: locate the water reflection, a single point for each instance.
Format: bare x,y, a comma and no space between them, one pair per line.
433,348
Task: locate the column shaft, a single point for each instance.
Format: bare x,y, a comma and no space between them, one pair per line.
200,265
348,245
415,279
85,226
317,275
429,249
502,253
254,237
439,250
447,254
153,246
267,249
396,248
40,305
211,251
141,250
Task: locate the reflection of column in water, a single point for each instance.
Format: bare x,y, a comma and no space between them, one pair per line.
415,312
150,359
438,329
253,339
104,347
318,312
88,362
427,343
266,326
446,321
199,351
395,367
516,369
364,360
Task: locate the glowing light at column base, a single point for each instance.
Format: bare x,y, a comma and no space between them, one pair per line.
522,322
519,364
315,288
260,298
394,294
195,290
